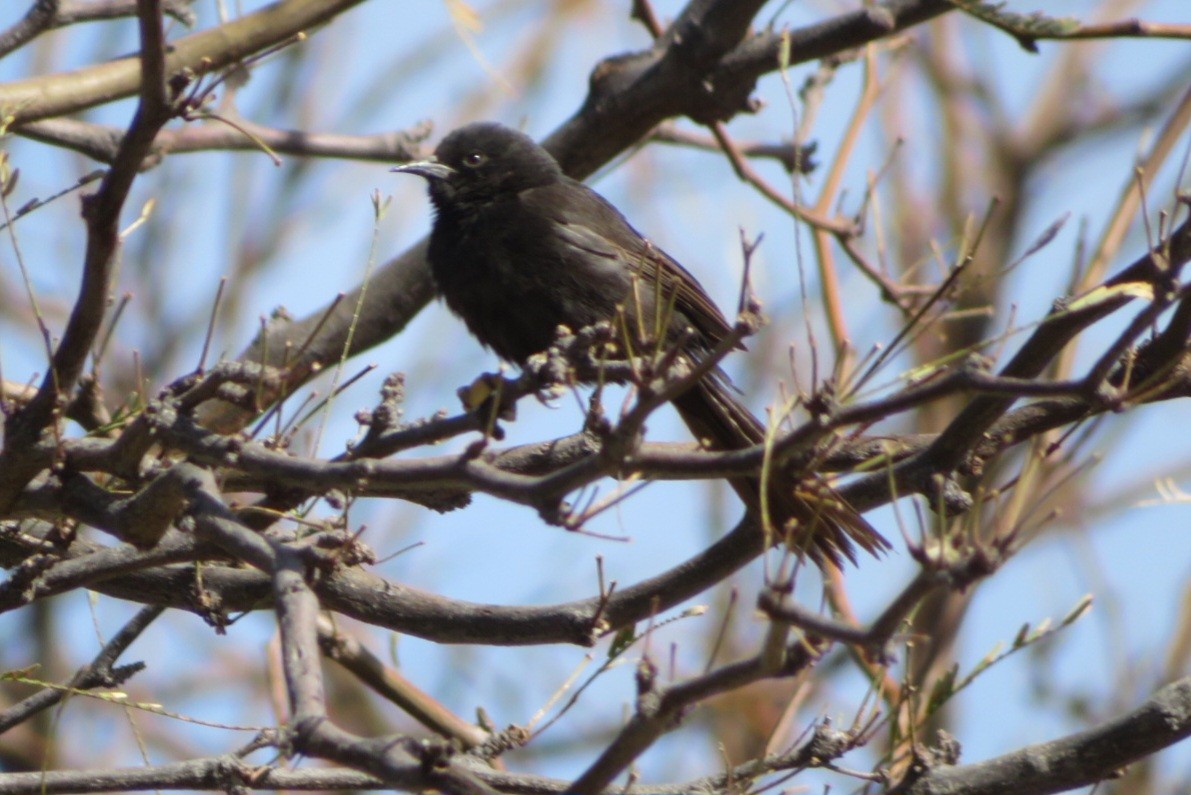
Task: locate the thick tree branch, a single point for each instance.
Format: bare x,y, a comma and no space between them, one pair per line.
1070,762
201,53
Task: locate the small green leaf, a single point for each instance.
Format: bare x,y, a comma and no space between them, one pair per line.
621,641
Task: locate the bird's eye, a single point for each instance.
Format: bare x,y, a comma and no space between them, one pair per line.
475,159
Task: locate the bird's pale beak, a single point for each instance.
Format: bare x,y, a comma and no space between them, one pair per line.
430,169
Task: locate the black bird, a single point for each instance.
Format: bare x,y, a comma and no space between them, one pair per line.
519,248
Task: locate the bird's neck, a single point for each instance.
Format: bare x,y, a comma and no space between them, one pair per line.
466,207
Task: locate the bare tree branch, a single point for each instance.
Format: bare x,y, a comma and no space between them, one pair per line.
1069,762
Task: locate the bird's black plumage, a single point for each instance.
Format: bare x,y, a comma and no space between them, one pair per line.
519,248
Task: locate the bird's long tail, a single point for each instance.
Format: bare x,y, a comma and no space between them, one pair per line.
809,515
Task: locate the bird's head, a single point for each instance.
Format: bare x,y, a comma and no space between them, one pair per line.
481,162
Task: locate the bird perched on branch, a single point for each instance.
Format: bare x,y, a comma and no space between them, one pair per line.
519,248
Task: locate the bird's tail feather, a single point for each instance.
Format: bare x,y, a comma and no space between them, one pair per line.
811,516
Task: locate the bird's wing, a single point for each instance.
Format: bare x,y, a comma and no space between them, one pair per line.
589,222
